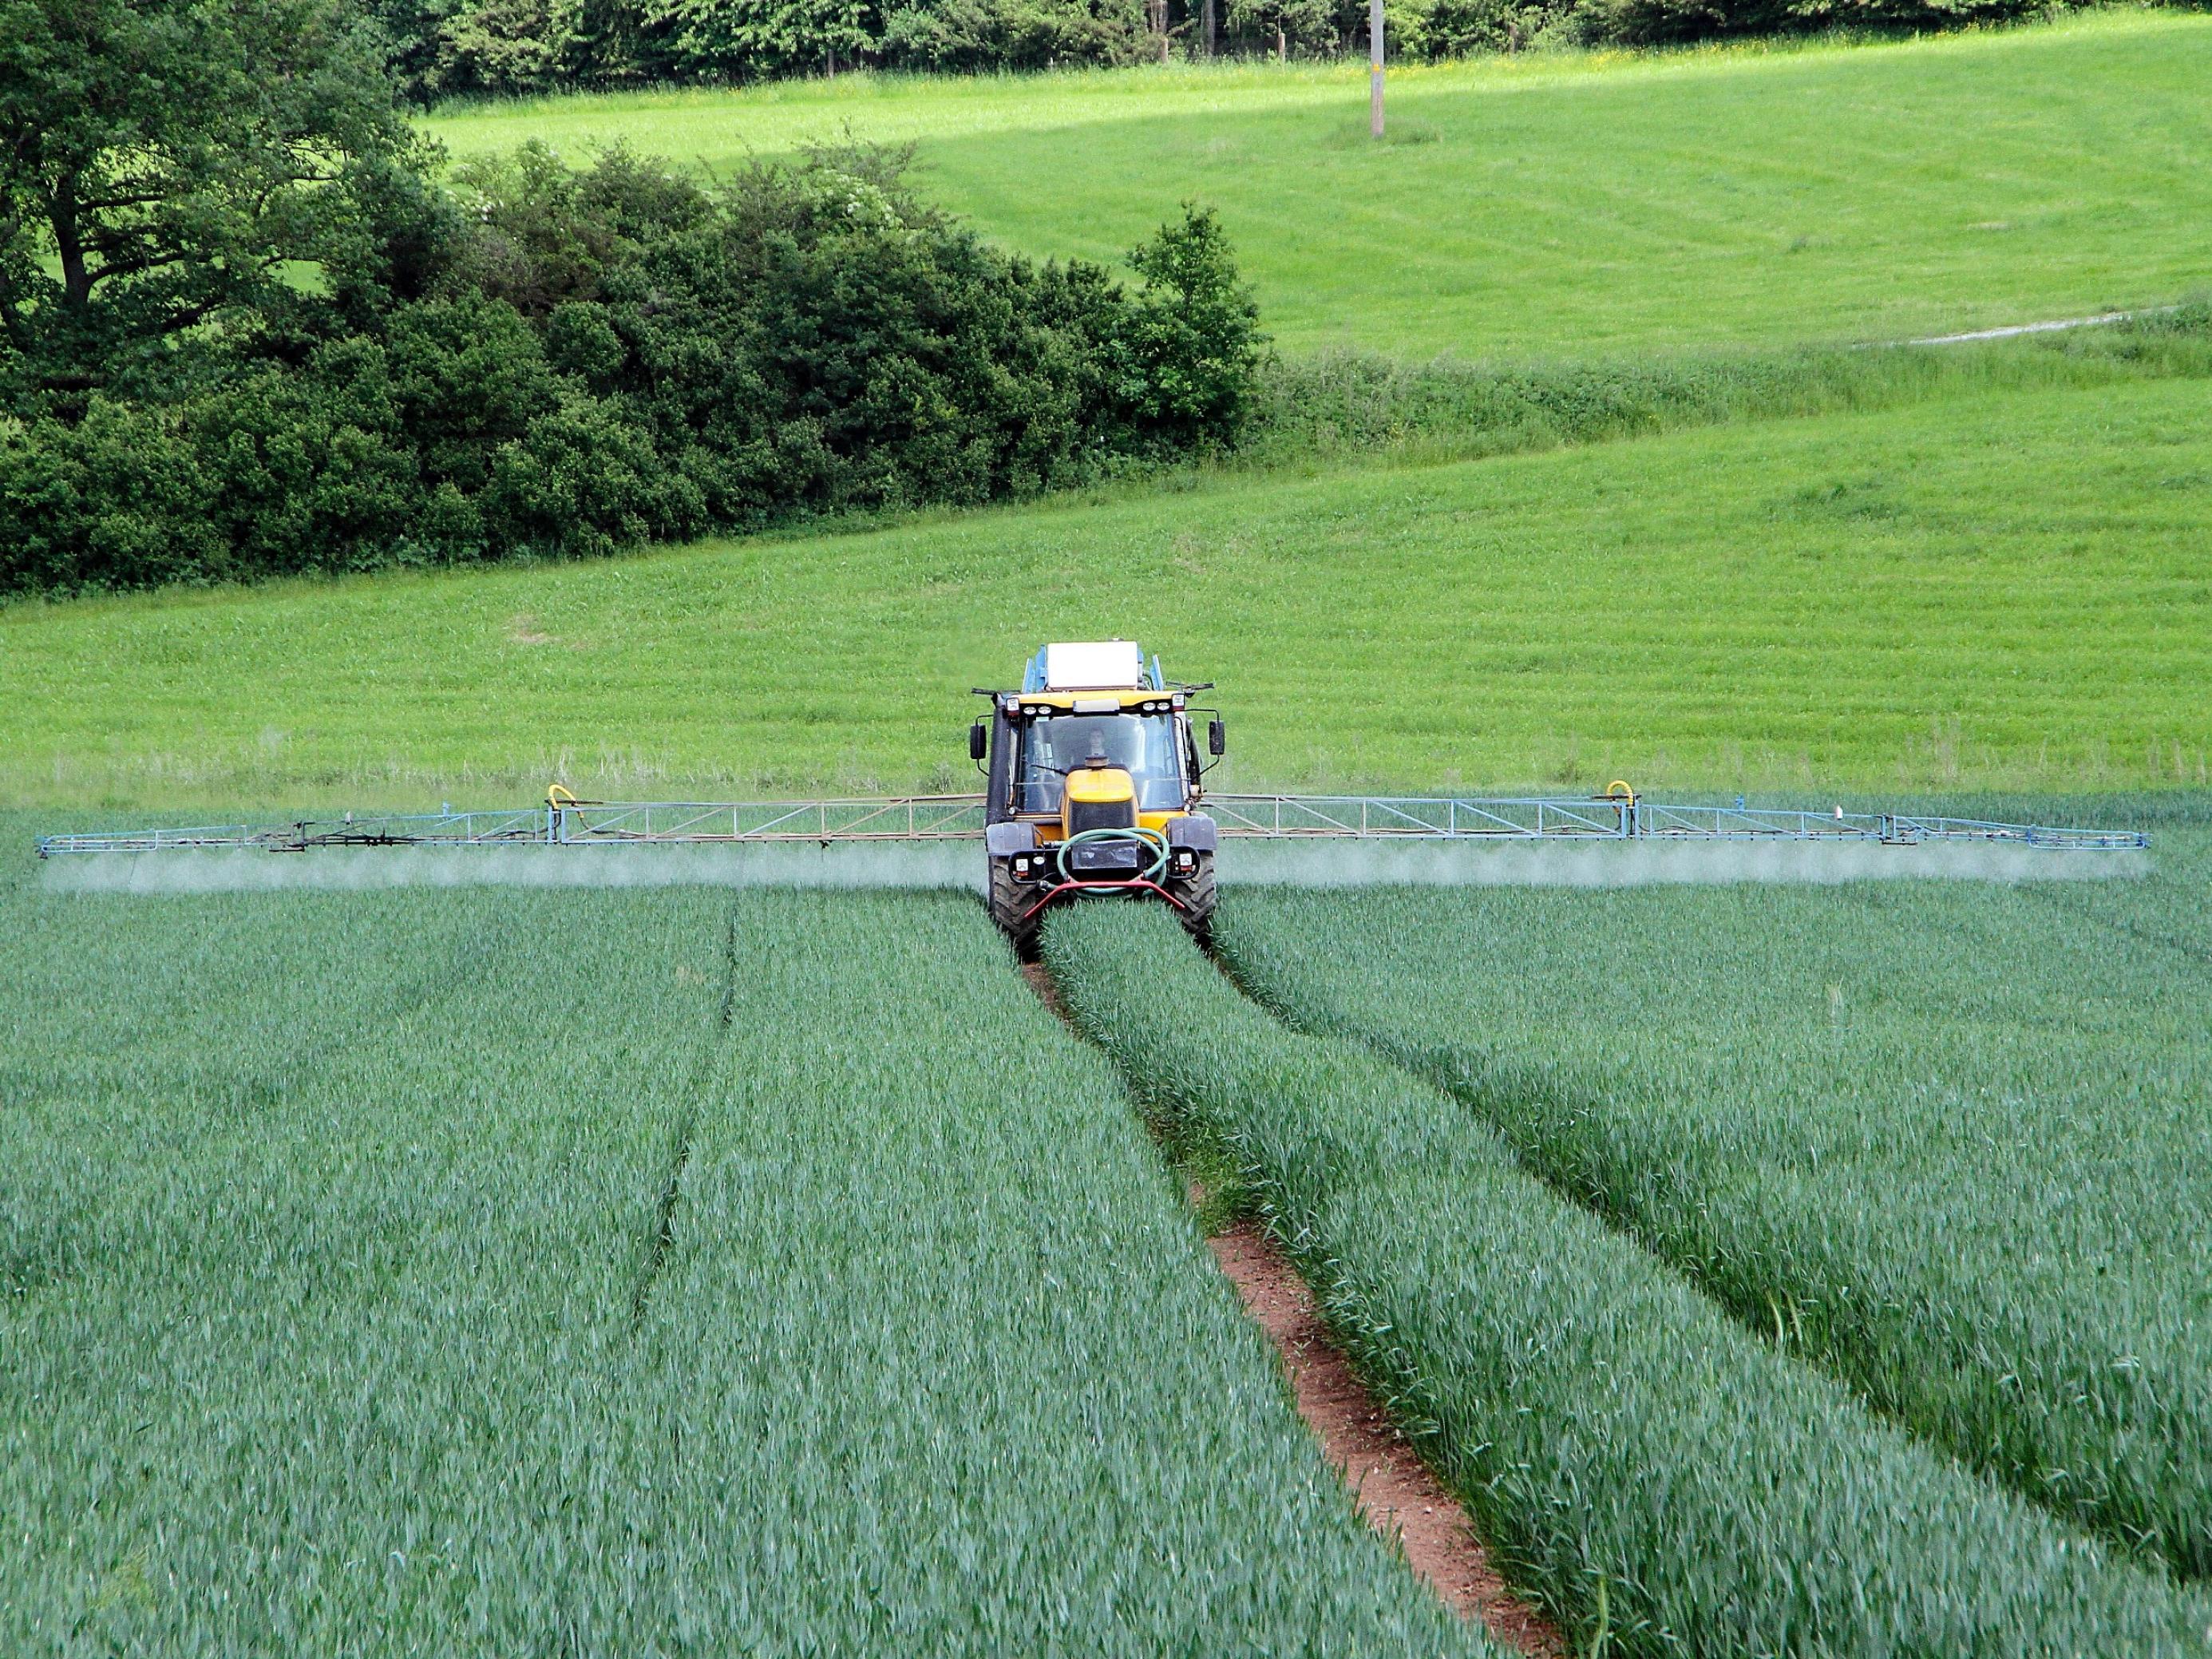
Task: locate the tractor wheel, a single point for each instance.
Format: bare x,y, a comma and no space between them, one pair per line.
1010,899
1196,891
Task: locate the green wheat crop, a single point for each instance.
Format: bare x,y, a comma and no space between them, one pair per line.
1948,1140
1662,1479
506,1274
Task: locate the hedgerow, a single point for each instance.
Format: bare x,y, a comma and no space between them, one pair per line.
552,362
447,48
1663,1480
1335,402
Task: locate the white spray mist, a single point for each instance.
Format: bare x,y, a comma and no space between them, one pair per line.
959,865
366,869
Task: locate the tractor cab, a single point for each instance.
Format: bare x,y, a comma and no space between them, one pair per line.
1093,787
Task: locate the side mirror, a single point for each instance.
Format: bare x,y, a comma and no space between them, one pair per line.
1216,737
979,741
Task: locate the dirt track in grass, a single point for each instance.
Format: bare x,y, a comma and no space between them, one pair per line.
1397,1493
1395,1490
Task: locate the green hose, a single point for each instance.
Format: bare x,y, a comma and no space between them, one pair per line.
1151,838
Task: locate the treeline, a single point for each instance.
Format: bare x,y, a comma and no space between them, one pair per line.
244,332
454,48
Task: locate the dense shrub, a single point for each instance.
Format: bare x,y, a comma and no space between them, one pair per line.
1656,23
623,353
459,48
990,34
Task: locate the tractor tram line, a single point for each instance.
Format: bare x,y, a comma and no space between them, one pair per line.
1391,1488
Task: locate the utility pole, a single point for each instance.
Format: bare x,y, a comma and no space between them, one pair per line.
1375,66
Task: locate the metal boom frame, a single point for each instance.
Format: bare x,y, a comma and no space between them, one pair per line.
567,822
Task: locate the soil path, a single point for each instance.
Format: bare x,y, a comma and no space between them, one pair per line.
1394,1489
2103,318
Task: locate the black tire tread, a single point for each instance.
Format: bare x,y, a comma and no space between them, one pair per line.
1198,896
1009,899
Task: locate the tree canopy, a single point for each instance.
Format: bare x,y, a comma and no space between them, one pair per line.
164,162
244,329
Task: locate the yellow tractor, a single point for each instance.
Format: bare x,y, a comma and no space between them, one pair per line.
1093,787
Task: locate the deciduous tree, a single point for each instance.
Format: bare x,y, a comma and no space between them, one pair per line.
165,164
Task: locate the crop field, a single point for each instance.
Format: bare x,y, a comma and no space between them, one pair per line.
1943,1142
1666,1480
2007,591
1768,1269
1559,204
436,1272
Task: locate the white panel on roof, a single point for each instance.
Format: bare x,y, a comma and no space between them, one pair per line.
1093,666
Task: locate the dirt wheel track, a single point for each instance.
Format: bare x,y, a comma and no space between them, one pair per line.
1397,1493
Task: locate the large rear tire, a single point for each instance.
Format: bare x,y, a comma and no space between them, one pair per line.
1009,900
1196,891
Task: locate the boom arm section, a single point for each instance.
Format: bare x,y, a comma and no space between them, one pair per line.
564,821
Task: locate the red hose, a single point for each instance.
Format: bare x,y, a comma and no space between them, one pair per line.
1133,885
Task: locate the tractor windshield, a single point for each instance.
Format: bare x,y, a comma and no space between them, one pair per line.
1143,746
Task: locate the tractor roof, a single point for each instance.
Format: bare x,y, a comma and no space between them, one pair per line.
1093,666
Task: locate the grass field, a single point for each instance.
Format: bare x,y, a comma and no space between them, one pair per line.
385,1273
1968,1190
1561,205
1997,593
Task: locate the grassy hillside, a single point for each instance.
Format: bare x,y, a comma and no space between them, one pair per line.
1564,205
2003,592
2004,586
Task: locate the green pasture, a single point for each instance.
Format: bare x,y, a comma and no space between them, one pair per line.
2007,592
1559,204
